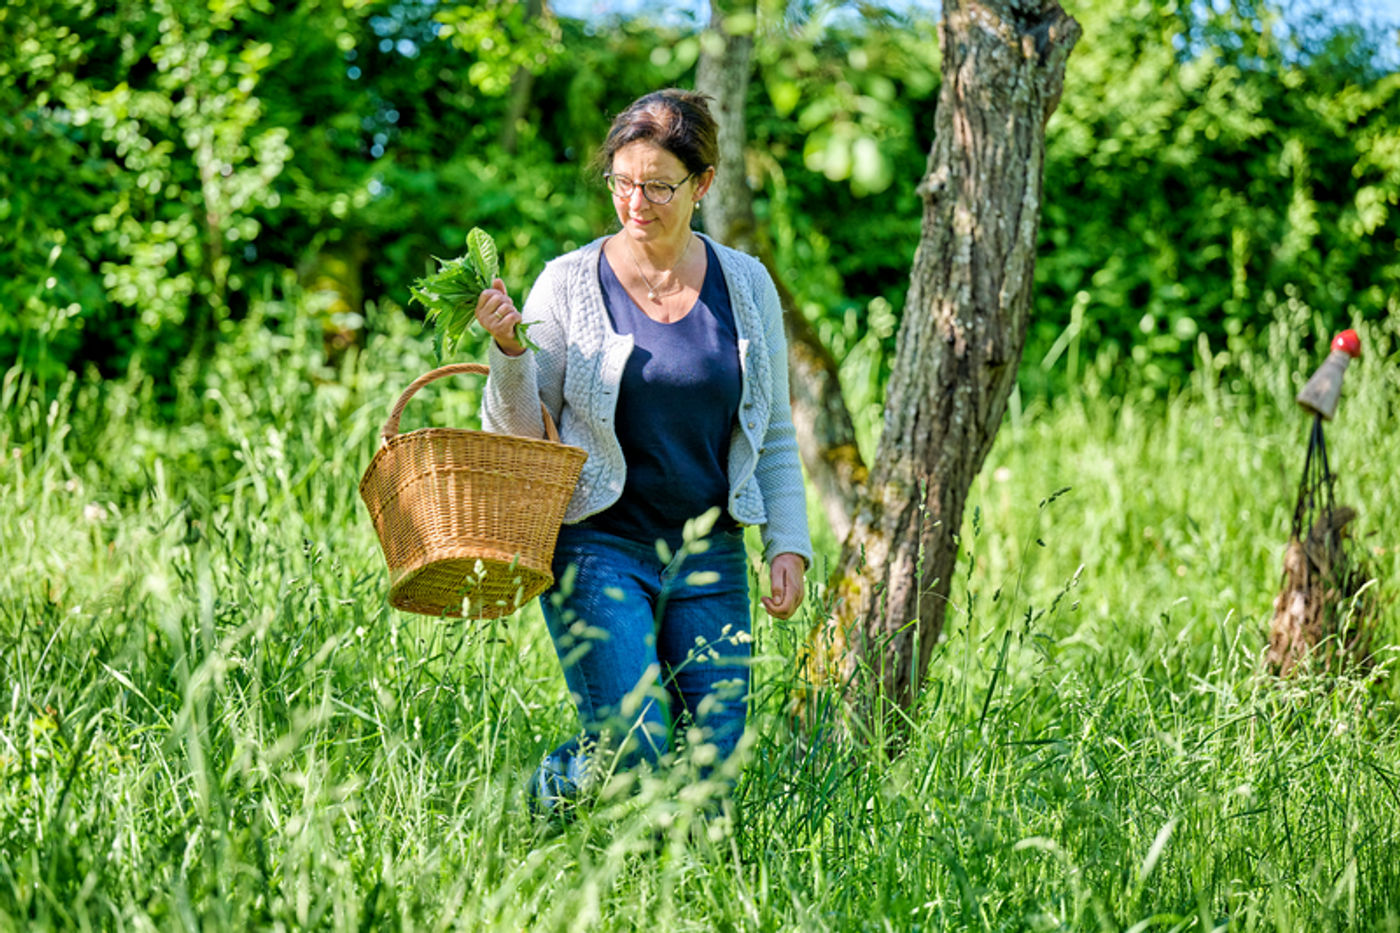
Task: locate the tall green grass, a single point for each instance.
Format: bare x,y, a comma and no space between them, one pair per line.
210,720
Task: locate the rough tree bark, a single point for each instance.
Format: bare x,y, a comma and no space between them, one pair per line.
960,339
825,433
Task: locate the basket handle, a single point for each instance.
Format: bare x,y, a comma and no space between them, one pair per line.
391,427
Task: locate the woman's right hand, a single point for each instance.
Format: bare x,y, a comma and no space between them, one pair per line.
496,312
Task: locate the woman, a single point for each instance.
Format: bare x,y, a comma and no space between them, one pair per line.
661,353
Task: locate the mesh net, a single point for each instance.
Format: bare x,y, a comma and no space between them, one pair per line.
1322,574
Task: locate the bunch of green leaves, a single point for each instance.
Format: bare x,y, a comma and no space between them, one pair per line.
451,293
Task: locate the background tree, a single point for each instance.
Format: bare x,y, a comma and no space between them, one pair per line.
825,433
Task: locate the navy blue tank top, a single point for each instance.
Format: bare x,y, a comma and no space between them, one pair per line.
675,411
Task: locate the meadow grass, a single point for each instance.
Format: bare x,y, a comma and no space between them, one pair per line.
211,720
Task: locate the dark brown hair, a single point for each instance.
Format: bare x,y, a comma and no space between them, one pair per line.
676,120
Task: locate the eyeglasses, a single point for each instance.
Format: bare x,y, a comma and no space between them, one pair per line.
657,192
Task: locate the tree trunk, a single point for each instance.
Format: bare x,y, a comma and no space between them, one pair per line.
522,84
825,433
959,342
723,74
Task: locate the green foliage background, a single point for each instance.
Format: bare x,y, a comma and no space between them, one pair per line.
167,161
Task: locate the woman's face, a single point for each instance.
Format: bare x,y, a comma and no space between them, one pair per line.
658,224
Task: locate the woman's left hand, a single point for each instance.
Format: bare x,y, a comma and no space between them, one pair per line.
786,573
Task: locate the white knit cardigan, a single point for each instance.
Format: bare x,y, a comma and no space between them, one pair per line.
578,370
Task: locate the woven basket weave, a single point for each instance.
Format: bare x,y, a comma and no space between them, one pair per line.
467,519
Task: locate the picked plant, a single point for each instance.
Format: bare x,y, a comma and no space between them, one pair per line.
450,294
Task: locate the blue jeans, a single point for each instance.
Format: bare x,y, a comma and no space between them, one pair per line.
646,646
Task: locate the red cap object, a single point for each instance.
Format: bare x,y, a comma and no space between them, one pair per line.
1348,343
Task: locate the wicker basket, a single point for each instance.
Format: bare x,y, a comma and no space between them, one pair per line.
467,519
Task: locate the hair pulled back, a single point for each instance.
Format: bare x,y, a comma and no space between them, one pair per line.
677,120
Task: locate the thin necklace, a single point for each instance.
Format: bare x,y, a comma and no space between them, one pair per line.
651,289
